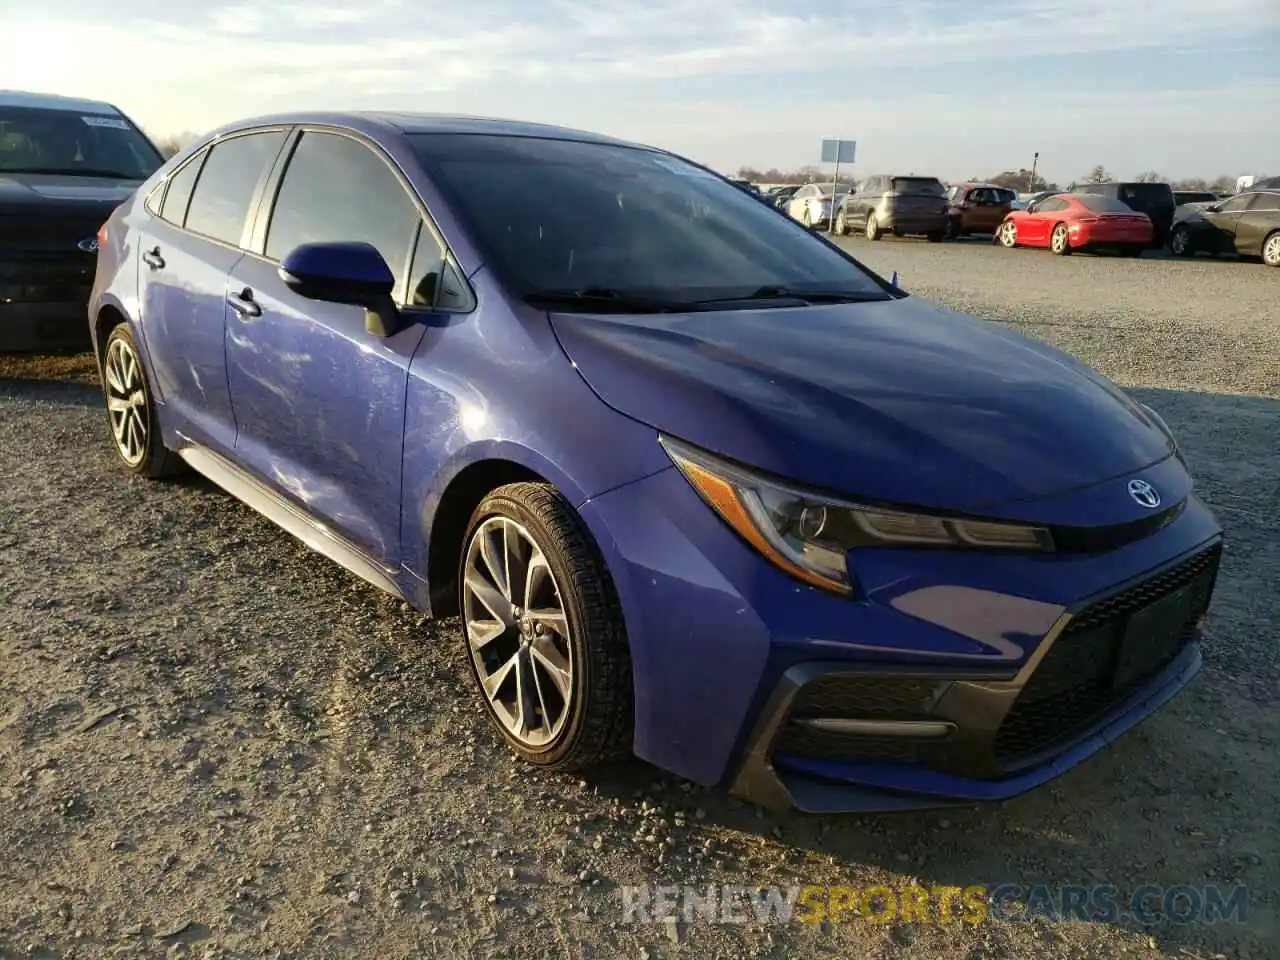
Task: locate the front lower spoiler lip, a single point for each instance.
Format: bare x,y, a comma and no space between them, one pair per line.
976,704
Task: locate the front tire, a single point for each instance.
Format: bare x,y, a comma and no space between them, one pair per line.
543,630
1271,249
1060,241
873,227
1008,234
1180,244
131,411
842,225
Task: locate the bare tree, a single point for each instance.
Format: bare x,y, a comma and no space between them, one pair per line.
1223,184
1098,174
1150,176
1021,180
171,143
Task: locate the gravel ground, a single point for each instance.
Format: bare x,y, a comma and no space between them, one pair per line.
216,744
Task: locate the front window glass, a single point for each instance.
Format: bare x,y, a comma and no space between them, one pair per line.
557,215
67,142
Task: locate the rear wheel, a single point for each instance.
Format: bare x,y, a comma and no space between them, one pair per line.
1060,241
135,429
543,630
1180,244
1008,234
873,227
1271,250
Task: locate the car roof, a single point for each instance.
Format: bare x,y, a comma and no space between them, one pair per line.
369,121
52,101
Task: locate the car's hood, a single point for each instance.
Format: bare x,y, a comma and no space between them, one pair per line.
898,401
22,190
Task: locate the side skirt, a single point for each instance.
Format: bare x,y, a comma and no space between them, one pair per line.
252,492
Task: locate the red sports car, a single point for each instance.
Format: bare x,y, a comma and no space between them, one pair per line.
1065,222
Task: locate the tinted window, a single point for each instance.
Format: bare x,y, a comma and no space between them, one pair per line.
178,194
1146,194
1266,201
623,218
434,281
1236,204
336,188
225,188
39,140
1053,204
928,185
1104,204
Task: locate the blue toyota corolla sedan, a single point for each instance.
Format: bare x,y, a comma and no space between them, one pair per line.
699,486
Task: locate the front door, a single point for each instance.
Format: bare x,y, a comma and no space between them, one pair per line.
1220,237
1257,223
320,402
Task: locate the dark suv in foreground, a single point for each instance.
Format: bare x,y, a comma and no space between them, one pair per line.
899,205
65,164
1156,200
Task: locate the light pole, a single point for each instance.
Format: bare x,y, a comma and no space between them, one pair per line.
1031,184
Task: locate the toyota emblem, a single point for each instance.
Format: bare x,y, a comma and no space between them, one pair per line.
1144,494
89,245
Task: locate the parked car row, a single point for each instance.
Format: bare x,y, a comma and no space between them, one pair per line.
1120,217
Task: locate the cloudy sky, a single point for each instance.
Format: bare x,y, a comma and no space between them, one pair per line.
955,87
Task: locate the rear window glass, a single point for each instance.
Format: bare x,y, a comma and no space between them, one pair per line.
918,185
1100,204
1146,192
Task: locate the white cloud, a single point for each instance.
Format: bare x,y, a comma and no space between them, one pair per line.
196,63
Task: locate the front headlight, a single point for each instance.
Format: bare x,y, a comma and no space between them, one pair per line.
808,534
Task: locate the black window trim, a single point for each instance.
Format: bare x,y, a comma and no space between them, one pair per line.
200,155
162,188
263,206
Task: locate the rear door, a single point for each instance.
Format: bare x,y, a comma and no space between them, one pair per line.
187,250
1258,222
319,401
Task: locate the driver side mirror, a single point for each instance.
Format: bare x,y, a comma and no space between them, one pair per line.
345,272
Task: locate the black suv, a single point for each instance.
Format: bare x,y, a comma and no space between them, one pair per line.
1154,199
65,164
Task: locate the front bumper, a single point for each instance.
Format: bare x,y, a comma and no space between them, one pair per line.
44,328
723,644
888,740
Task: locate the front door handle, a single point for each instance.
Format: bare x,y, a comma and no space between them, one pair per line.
244,304
153,259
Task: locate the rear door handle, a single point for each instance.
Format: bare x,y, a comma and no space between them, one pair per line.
244,304
153,259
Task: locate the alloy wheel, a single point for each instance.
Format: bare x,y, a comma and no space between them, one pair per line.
1059,240
517,632
1179,242
127,401
1009,233
873,227
841,226
1271,251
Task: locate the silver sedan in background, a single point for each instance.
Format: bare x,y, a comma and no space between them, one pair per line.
812,205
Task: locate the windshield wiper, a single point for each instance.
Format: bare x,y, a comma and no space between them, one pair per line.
73,172
808,296
607,298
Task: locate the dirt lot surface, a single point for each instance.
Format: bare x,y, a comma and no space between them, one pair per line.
216,744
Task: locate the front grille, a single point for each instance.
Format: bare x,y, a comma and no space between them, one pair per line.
46,277
1087,673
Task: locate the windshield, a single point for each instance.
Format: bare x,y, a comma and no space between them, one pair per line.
35,140
631,220
1103,204
918,185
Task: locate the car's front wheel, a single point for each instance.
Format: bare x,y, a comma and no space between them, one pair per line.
131,411
544,631
1008,234
842,226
